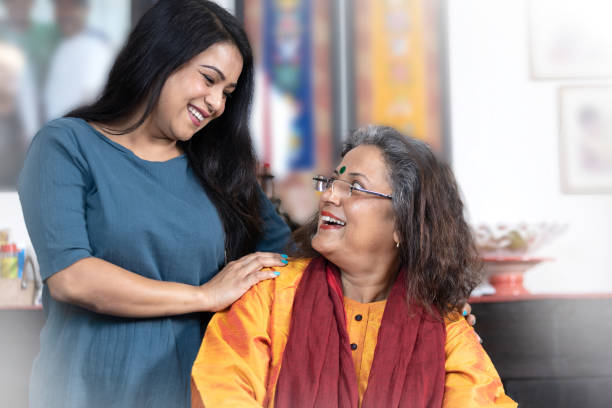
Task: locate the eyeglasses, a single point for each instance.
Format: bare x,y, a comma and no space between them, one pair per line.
343,189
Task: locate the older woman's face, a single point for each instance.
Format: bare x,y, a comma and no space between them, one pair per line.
366,222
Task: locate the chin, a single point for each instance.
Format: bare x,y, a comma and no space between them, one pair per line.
320,245
317,246
186,138
184,135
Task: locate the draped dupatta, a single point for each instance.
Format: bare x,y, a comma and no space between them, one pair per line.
317,368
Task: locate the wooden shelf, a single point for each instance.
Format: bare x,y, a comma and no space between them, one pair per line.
543,296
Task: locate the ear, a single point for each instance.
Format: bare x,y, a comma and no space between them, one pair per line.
396,237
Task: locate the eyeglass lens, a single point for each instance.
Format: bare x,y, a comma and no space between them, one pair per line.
341,188
320,185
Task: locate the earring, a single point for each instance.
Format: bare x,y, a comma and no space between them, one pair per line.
397,244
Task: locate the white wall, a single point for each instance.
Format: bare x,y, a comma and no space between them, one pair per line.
11,218
505,145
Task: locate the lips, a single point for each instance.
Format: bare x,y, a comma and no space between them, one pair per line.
330,221
196,114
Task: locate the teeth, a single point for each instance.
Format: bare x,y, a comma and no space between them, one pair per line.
195,113
332,220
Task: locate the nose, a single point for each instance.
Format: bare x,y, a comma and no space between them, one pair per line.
215,101
330,196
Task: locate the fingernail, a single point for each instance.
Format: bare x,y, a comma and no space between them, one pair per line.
284,261
277,273
464,313
284,255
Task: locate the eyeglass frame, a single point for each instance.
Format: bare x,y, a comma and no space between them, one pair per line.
330,183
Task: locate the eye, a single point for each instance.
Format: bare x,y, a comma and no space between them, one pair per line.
208,78
227,95
357,185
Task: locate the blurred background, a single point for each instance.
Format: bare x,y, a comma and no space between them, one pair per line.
515,94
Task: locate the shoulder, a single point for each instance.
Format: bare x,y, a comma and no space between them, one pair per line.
458,330
64,131
262,297
63,138
66,125
291,274
289,278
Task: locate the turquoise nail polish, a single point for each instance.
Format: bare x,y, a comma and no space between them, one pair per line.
284,255
276,273
464,313
284,261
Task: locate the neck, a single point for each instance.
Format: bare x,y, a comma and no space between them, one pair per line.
370,284
143,141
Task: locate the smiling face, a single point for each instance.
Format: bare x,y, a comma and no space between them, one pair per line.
355,230
196,93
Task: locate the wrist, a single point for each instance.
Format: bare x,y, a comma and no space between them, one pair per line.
204,298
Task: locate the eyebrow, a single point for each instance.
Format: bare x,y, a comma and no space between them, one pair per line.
218,71
354,175
360,175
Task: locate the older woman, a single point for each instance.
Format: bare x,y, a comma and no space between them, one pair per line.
370,319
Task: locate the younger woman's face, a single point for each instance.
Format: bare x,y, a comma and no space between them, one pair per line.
196,93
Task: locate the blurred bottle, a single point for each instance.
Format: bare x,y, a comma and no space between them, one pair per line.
4,236
9,261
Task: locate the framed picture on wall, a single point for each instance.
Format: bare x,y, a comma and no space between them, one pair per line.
570,38
586,139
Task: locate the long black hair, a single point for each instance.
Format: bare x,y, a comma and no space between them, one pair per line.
168,35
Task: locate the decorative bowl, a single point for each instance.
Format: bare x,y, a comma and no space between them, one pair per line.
512,240
507,253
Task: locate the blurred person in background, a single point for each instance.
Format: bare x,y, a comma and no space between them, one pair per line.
81,62
144,210
13,140
38,42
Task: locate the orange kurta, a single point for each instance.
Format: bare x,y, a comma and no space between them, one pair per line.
241,354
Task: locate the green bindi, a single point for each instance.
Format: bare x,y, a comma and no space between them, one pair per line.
342,169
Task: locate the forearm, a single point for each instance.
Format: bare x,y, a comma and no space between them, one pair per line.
103,287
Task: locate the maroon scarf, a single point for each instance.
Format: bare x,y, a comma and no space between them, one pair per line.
317,368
